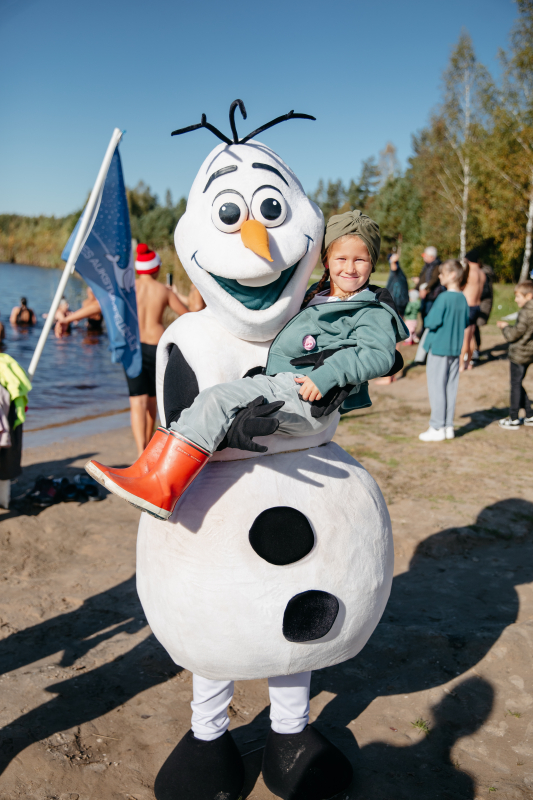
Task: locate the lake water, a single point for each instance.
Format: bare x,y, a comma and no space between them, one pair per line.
75,377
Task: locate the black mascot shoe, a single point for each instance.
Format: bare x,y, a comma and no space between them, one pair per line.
304,766
197,770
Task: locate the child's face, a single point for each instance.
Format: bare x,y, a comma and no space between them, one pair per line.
522,299
350,265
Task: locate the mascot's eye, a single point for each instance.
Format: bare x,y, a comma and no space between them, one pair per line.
269,206
229,211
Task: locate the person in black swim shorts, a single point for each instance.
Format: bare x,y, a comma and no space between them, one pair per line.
144,383
473,314
152,299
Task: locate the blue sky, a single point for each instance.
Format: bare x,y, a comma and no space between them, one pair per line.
72,71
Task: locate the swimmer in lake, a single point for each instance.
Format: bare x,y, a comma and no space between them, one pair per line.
22,315
90,310
62,311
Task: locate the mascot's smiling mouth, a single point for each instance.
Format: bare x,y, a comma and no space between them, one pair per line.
256,298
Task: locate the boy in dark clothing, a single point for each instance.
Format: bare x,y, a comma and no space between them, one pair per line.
520,337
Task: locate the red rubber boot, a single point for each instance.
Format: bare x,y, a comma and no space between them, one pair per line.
144,463
158,491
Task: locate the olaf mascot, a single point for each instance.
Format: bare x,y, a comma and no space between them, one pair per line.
272,564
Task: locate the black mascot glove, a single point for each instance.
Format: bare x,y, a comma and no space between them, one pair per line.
313,359
338,394
253,420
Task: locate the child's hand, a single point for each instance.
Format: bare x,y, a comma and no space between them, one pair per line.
308,390
501,324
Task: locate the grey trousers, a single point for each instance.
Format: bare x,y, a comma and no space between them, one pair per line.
442,374
208,419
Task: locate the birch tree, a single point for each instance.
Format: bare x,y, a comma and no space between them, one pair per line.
461,117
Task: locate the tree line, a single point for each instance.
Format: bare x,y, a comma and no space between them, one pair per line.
469,182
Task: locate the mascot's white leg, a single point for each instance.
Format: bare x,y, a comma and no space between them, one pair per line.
298,762
289,705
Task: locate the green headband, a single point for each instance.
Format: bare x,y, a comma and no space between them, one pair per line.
354,222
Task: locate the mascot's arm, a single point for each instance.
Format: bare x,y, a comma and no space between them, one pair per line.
180,389
180,386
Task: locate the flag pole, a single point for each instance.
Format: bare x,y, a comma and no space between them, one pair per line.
81,236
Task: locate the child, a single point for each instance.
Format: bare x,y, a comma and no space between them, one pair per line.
410,316
343,337
446,323
520,337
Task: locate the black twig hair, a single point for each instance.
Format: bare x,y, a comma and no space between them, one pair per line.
233,107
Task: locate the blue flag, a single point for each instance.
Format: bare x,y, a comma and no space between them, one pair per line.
106,264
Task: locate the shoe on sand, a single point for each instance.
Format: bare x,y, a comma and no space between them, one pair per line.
198,770
528,421
433,435
304,766
510,424
450,432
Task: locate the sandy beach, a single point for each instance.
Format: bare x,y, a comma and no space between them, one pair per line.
438,705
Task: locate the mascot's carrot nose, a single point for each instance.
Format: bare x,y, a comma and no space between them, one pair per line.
254,235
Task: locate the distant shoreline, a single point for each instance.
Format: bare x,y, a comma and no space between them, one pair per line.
25,264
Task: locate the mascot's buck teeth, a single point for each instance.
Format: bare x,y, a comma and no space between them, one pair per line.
253,576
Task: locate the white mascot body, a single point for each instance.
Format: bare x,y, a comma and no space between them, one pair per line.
217,605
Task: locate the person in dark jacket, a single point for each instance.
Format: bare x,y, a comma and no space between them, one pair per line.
428,283
520,338
485,307
397,284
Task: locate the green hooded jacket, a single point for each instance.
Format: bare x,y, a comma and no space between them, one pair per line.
363,331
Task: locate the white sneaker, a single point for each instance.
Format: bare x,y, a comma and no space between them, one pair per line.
450,432
510,424
528,421
433,435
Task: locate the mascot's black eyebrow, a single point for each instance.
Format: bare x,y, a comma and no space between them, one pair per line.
233,107
232,168
255,165
217,174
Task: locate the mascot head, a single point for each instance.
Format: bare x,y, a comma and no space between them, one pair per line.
250,237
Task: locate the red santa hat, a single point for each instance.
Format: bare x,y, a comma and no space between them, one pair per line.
147,260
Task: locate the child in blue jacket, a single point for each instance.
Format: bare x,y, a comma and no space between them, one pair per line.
321,360
446,323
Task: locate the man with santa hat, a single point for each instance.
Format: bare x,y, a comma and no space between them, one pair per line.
152,299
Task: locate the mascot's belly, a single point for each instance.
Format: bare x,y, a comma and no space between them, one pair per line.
220,592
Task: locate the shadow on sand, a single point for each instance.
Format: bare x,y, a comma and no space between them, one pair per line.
442,618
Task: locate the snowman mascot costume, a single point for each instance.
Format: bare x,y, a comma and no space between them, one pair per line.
272,564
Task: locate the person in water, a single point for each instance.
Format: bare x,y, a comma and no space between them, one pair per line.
22,315
63,310
90,310
344,335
